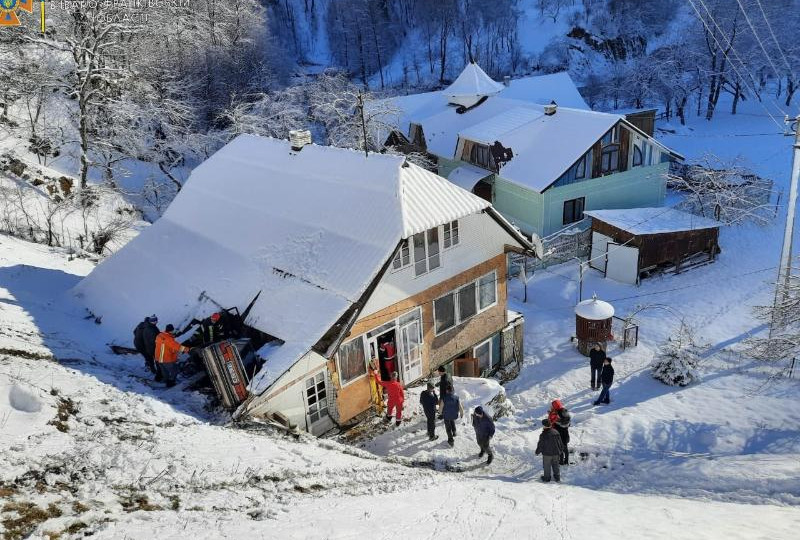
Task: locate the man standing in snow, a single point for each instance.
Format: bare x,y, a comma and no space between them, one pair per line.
167,351
606,378
560,420
596,357
445,380
451,410
396,397
484,431
428,399
144,340
550,448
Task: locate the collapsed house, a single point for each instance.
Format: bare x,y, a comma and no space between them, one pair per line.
349,252
532,148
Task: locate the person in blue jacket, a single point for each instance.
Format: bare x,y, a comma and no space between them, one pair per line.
450,409
484,431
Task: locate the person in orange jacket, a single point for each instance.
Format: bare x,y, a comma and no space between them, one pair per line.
167,351
396,397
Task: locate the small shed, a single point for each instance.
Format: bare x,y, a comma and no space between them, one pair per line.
593,320
630,244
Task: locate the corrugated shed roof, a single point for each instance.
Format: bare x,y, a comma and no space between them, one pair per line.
309,229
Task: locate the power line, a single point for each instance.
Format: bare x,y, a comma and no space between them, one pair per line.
735,53
758,39
774,38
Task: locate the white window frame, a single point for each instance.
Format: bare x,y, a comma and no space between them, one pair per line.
491,352
456,303
399,256
494,282
364,349
428,269
447,229
316,393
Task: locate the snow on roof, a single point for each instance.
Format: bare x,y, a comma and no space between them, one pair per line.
594,310
494,128
543,89
472,82
466,176
308,229
549,145
652,220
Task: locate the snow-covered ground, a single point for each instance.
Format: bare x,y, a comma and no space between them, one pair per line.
89,446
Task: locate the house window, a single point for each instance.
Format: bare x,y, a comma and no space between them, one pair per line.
450,234
444,312
483,352
316,397
638,158
352,361
465,302
609,159
403,256
479,155
426,251
580,168
487,291
573,210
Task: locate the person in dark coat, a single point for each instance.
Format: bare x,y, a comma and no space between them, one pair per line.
484,431
144,340
428,399
560,420
606,378
596,357
551,449
445,380
451,410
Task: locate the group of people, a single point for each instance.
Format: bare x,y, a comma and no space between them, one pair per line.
553,441
159,349
602,373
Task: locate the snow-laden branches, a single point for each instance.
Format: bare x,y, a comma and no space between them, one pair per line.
783,317
676,362
724,191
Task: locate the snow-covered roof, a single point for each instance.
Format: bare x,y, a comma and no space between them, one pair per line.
309,229
494,128
594,310
466,176
652,220
473,82
543,89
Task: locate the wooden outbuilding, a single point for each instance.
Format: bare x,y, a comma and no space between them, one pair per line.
630,244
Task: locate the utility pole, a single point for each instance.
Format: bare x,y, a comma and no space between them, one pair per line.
785,268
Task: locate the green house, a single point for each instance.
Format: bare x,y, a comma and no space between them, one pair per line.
539,165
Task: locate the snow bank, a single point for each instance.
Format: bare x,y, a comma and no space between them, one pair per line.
23,399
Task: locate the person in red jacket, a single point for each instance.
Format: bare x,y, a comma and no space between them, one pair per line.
396,397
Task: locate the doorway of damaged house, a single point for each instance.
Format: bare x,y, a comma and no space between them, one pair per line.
397,346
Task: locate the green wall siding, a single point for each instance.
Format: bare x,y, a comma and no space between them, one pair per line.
542,213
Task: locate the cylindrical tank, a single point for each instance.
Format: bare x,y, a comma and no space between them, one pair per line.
593,324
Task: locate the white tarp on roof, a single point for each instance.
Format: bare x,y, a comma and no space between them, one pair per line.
466,176
472,82
543,89
308,229
652,220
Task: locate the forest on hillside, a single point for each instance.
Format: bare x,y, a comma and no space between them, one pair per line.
136,106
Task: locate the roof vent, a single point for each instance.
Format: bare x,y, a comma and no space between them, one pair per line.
550,109
299,138
507,80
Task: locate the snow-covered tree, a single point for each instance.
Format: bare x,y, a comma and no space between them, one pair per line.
676,362
783,318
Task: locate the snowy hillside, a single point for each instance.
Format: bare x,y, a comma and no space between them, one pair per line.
90,447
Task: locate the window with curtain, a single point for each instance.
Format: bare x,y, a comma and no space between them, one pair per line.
352,360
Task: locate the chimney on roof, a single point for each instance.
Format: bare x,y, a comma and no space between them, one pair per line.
550,109
299,138
507,80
